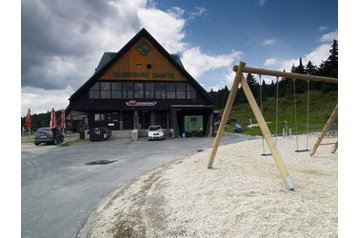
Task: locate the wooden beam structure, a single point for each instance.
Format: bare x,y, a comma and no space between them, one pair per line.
276,73
226,113
289,181
335,147
240,78
325,129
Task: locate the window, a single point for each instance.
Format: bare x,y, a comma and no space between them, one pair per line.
138,90
128,90
171,90
181,90
149,90
105,90
191,92
94,91
115,116
138,66
149,66
160,90
99,117
116,90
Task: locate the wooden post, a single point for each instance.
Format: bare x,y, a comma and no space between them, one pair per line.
226,113
328,125
335,147
289,180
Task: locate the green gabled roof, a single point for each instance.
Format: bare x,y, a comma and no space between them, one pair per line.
109,58
177,59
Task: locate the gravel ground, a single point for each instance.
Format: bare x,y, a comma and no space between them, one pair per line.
243,196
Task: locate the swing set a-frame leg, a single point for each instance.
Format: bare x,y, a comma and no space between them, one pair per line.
289,180
325,129
226,114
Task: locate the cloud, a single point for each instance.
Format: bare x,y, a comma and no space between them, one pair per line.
322,28
176,12
329,37
63,41
269,42
262,2
41,100
166,27
54,32
270,62
198,11
316,56
197,62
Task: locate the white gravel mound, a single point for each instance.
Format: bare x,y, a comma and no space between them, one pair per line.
243,196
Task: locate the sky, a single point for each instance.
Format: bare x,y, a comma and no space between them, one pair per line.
63,41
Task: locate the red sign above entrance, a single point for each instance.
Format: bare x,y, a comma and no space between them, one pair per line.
134,103
131,102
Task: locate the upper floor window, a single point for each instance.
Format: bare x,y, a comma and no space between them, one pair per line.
105,90
181,90
138,90
128,90
116,90
150,90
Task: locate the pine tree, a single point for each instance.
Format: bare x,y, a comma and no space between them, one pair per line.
300,85
313,70
254,85
329,67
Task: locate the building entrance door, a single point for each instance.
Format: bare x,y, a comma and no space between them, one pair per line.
144,119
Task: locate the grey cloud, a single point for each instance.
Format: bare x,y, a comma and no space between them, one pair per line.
55,31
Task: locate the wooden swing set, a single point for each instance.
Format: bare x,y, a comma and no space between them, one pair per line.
240,79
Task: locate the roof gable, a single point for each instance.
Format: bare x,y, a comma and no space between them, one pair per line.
109,60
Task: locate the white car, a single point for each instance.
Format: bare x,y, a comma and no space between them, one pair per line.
155,132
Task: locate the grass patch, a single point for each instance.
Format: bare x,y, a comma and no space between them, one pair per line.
321,106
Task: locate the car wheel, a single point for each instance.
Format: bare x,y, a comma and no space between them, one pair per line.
36,143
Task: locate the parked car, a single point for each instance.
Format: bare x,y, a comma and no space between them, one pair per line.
48,135
155,132
99,134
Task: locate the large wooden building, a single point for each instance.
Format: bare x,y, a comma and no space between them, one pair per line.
142,85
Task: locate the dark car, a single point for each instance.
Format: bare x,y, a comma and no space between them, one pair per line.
48,135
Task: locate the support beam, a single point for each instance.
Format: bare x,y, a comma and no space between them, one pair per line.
328,125
289,180
290,75
226,113
335,147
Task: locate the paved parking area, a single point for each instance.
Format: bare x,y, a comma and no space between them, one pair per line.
59,191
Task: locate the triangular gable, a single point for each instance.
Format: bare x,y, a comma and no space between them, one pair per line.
143,61
142,34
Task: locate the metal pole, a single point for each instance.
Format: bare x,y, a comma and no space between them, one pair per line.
308,113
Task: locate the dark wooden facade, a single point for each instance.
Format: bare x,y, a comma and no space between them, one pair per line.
140,85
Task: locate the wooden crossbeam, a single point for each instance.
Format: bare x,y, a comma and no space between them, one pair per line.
276,73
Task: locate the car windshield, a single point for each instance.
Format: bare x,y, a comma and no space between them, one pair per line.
44,131
154,128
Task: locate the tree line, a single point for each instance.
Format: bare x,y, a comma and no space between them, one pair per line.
41,119
328,68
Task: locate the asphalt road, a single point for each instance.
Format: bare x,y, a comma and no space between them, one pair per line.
59,191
